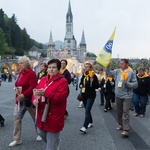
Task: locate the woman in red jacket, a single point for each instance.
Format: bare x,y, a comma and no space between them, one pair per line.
51,105
26,82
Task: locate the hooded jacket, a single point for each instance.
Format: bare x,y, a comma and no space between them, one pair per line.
56,91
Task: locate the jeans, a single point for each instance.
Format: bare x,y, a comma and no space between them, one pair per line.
140,103
88,103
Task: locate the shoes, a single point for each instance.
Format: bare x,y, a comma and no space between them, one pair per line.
136,115
66,116
90,125
14,143
125,133
2,122
112,104
101,104
80,106
131,108
141,116
38,138
119,128
109,108
83,130
105,110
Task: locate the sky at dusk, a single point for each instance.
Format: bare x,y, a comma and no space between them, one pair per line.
98,18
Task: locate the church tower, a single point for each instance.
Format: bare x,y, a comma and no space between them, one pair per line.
51,47
82,50
69,41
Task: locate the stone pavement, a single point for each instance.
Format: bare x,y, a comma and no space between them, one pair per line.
103,135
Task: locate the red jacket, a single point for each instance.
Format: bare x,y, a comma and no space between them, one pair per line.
26,79
56,93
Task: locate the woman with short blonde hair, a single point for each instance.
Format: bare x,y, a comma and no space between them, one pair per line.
24,86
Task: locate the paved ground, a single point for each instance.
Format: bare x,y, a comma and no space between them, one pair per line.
103,136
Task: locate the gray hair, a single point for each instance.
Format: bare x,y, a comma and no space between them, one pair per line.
26,60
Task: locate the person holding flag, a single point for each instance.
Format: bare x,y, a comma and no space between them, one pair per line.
125,82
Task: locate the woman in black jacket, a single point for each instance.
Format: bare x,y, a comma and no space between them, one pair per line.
88,85
140,94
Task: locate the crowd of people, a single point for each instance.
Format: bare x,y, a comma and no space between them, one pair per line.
44,96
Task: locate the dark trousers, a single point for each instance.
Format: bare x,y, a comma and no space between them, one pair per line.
88,103
108,97
1,118
102,96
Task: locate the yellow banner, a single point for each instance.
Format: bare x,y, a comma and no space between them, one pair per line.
105,54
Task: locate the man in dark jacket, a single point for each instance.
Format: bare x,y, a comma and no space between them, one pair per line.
64,71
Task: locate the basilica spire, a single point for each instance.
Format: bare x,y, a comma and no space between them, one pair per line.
83,39
69,16
69,40
51,39
51,46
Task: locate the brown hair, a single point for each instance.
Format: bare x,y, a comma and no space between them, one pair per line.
141,69
89,64
44,63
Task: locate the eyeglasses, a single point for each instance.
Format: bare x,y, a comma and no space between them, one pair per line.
53,68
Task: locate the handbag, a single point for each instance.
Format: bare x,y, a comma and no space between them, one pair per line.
80,97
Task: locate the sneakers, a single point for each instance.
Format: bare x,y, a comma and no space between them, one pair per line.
38,138
14,143
81,104
125,133
90,125
136,115
2,123
83,130
66,116
105,110
119,128
141,116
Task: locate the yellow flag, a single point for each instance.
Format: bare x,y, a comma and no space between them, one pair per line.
105,54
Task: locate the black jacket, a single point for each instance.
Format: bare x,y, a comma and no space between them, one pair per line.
89,90
67,75
143,86
109,87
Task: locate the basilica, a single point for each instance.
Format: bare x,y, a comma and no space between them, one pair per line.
70,48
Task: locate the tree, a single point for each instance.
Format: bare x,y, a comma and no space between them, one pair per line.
26,40
3,45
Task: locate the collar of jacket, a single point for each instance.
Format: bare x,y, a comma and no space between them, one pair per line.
54,78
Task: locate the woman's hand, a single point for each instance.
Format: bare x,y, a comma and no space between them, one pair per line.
35,103
39,92
20,97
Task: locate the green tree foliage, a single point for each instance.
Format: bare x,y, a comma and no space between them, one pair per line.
17,39
3,44
90,54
